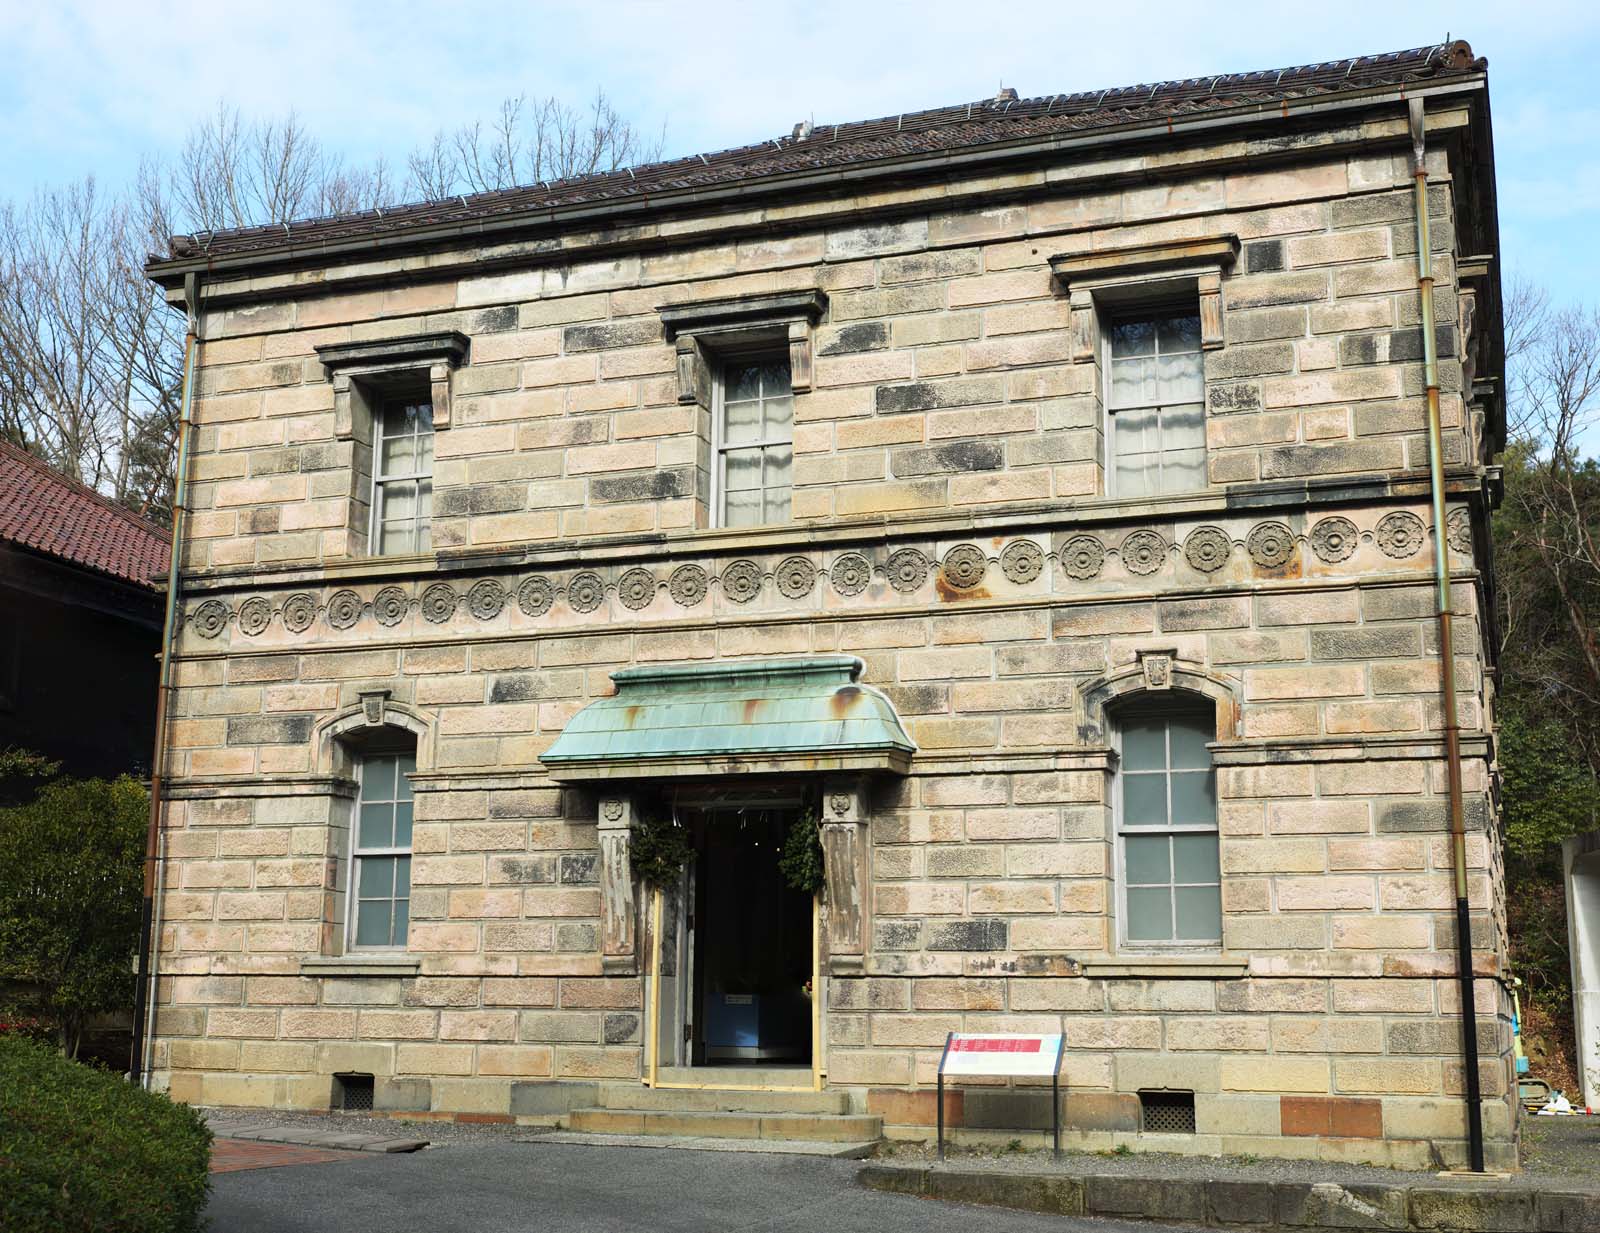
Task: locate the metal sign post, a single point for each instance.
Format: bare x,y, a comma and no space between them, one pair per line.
1004,1055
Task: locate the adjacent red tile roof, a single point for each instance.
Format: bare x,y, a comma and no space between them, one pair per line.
945,129
43,510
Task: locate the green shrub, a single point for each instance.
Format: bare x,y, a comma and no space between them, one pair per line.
84,1151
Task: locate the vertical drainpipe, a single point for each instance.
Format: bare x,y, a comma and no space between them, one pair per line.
1447,688
149,924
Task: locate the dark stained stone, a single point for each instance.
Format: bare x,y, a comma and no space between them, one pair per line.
984,934
947,458
269,729
931,395
862,336
1263,256
643,485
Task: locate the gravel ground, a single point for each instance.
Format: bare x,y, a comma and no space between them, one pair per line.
1559,1153
437,1133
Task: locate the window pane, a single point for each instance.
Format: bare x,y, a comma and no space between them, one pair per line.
1178,377
424,537
1133,338
1199,913
402,915
780,418
425,452
377,826
1183,471
777,505
1146,860
424,499
741,422
1183,428
778,463
1149,915
1194,858
1144,745
405,765
1144,800
741,470
1194,799
742,509
376,877
399,456
377,777
1178,333
1136,476
399,501
402,877
402,824
741,382
775,379
1189,737
1132,383
372,922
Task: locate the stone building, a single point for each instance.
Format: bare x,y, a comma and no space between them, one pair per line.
1032,494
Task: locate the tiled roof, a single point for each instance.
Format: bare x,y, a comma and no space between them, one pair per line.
943,130
43,510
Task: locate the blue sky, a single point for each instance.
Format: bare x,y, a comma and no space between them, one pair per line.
91,85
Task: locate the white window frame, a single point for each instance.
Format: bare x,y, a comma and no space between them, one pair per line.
719,450
379,479
1111,318
1119,832
352,896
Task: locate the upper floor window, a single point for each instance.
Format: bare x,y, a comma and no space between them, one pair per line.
1166,811
754,442
381,851
402,478
1156,401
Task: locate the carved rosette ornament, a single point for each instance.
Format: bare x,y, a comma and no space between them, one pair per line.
850,574
486,599
1142,552
964,566
1022,561
741,581
839,802
1334,540
1458,530
687,585
439,602
1271,545
255,614
636,588
1400,534
390,605
586,592
299,610
612,811
1082,556
906,569
344,609
795,577
534,597
210,618
1207,549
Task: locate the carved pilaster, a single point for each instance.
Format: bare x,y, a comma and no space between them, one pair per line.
619,930
844,856
800,356
439,387
1210,288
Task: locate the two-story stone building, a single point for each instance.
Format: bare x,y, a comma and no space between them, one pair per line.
1034,494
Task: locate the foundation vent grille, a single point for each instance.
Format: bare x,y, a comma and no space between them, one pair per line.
1166,1113
353,1093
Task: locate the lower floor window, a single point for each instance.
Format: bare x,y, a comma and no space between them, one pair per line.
1167,828
381,851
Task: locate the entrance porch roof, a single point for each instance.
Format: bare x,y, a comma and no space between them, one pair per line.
749,716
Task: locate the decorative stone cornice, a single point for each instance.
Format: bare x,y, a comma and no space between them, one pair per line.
435,354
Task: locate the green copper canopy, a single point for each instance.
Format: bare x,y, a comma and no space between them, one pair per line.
808,714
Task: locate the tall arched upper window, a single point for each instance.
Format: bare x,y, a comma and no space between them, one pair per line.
1166,816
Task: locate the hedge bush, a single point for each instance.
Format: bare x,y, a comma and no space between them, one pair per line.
84,1151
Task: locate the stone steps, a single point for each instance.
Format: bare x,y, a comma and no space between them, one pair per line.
796,1078
718,1100
787,1127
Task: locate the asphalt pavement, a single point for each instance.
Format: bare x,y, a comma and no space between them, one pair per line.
512,1187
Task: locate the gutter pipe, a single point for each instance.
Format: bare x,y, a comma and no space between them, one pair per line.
1447,686
149,923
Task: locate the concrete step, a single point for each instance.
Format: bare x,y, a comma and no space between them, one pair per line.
701,1143
822,1128
738,1076
718,1100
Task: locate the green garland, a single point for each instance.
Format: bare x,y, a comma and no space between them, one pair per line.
659,848
801,862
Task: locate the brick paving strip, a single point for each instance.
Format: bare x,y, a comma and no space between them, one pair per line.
232,1155
311,1137
1477,1205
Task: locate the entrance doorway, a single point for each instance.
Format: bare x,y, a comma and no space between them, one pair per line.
739,942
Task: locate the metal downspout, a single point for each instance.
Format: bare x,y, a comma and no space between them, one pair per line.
1447,688
149,924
